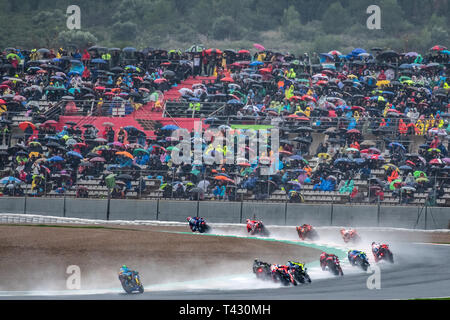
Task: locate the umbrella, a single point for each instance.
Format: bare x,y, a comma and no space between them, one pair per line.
124,177
170,127
259,47
125,154
74,154
98,159
396,144
25,124
7,180
55,159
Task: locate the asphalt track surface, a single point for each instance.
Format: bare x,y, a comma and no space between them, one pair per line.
420,271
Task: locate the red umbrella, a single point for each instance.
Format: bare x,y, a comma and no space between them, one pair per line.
436,161
265,70
244,52
354,131
310,98
358,108
438,48
49,122
295,98
98,159
100,88
227,79
25,124
161,80
213,50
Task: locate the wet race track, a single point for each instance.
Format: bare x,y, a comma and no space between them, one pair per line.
420,271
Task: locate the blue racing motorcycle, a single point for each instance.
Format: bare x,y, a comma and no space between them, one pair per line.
358,258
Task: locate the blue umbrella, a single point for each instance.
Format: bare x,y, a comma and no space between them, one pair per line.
343,160
74,154
405,66
130,128
359,160
98,61
55,159
326,55
170,127
396,144
256,63
10,179
234,101
296,157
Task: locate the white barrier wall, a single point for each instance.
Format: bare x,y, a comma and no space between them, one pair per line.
234,212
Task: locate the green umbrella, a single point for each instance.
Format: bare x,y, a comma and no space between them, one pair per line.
12,56
110,181
171,148
135,152
393,183
417,174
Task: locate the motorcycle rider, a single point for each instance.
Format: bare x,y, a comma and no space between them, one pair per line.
303,230
194,223
323,259
295,265
347,234
125,273
376,250
251,224
352,254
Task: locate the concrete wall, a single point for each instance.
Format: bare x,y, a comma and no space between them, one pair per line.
12,205
234,212
316,215
46,207
86,208
270,213
400,217
223,212
133,210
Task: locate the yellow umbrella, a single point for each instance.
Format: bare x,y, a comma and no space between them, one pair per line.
383,83
34,154
324,155
390,165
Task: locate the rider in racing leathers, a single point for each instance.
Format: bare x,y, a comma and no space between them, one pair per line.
376,250
194,223
125,272
352,254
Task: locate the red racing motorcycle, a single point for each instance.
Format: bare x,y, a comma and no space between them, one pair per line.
306,231
331,263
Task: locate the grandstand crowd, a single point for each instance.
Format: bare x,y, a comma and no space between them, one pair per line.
378,117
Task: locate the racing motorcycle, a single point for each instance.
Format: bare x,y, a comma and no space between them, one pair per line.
350,235
307,231
331,263
256,227
201,225
131,283
262,270
358,258
283,275
298,270
384,253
